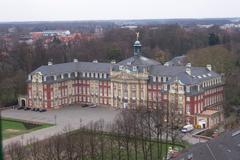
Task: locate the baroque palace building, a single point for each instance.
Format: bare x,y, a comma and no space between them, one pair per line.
134,82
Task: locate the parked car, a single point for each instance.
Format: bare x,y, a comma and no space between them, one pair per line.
93,106
33,109
37,109
85,105
20,108
27,108
42,110
187,128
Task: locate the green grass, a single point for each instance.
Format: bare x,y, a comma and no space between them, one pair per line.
13,127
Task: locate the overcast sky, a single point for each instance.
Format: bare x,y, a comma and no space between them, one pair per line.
41,10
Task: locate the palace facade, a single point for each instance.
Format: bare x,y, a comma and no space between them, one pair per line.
137,81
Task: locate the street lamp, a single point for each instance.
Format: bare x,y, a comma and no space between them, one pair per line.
55,119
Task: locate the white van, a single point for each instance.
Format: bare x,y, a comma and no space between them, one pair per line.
187,128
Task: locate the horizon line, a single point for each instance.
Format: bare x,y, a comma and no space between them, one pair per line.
130,19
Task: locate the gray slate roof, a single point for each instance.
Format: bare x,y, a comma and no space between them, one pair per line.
224,147
179,72
154,68
56,69
178,61
138,60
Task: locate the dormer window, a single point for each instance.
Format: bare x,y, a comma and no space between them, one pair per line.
134,68
164,79
105,76
129,63
96,75
120,68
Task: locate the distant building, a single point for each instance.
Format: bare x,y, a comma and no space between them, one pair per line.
52,33
36,35
137,81
26,39
224,147
205,26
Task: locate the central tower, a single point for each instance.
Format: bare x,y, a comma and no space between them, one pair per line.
137,46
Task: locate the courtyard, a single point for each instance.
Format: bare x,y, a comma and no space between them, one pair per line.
70,117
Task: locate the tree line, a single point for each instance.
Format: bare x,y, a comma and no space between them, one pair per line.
159,42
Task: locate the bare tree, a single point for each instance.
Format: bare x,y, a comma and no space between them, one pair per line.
16,151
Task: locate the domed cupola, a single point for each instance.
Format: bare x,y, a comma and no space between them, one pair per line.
137,46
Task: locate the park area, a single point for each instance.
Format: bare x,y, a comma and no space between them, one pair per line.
13,127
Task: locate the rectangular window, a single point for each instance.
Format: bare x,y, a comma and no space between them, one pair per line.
165,97
165,87
187,109
187,89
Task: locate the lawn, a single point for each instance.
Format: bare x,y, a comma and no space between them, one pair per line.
13,127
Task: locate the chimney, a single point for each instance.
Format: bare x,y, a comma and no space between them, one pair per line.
209,67
75,60
50,63
113,61
188,70
166,64
95,61
188,65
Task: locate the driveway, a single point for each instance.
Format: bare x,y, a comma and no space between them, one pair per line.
191,139
70,116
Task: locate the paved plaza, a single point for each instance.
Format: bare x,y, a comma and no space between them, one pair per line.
65,117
